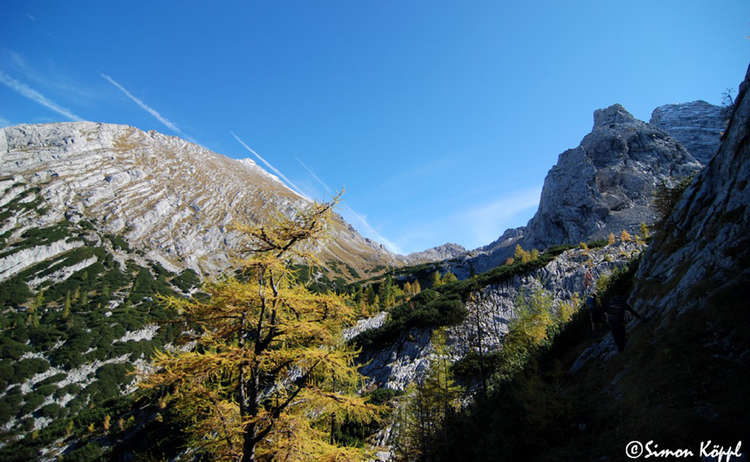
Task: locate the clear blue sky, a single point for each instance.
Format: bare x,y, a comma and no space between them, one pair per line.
441,119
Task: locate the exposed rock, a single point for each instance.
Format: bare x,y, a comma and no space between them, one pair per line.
169,197
439,253
707,247
15,262
490,310
604,185
696,125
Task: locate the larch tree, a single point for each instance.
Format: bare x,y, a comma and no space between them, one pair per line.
270,374
426,405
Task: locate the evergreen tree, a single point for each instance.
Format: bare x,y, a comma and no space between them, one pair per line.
271,370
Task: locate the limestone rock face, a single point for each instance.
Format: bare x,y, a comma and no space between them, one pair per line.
606,184
707,247
696,125
603,186
490,311
172,200
439,253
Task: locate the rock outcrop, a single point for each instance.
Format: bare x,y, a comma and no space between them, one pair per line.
439,253
697,125
490,310
603,186
707,243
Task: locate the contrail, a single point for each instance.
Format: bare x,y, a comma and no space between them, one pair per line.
146,107
267,164
35,96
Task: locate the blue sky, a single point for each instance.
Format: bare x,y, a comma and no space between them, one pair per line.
441,119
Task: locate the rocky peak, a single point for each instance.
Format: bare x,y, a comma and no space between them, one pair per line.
615,114
697,125
603,186
442,252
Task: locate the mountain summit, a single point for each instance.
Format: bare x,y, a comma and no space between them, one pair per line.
605,185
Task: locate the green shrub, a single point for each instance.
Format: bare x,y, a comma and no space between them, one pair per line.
28,367
46,390
50,380
31,402
10,349
50,411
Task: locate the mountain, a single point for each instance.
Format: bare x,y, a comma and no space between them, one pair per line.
96,222
171,200
697,125
442,252
605,185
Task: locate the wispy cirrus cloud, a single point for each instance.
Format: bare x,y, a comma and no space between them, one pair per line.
271,167
166,122
51,78
490,219
30,93
357,219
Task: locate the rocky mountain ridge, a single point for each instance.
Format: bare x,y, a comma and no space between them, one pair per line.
442,252
489,311
173,200
606,184
697,125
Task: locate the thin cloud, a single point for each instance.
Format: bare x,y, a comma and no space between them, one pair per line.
51,78
368,231
489,220
4,122
24,90
312,174
166,122
350,215
267,164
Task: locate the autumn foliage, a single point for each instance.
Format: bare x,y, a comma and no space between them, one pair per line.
270,375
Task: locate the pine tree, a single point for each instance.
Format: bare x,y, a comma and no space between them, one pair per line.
271,370
611,239
416,287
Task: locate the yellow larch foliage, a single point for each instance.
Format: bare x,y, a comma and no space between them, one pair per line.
271,369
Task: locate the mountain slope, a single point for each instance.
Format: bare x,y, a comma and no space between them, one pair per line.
172,200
